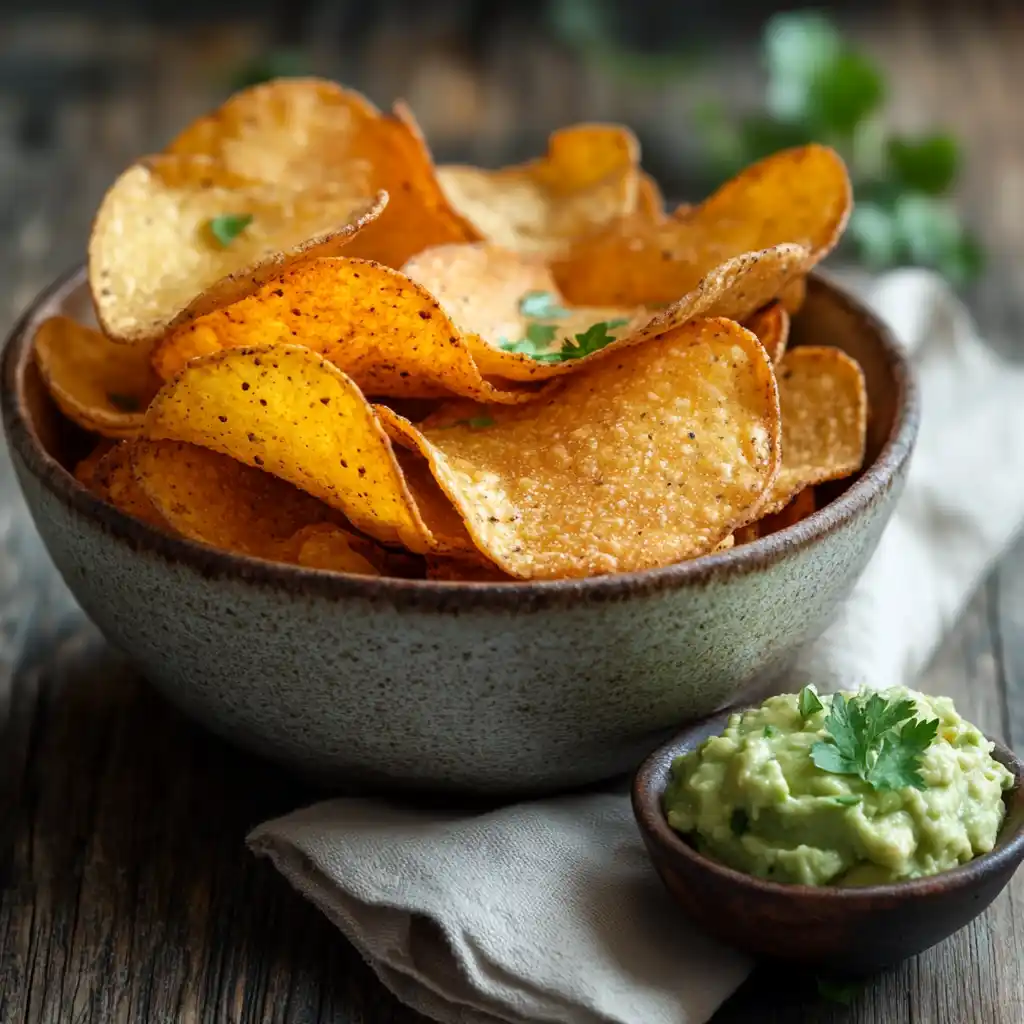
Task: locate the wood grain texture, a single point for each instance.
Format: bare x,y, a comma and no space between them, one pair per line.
127,894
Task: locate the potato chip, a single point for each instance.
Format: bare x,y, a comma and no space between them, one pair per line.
799,196
382,329
635,462
102,386
823,399
650,203
323,546
497,297
85,469
288,411
155,258
771,325
726,543
210,497
589,177
307,134
114,481
793,294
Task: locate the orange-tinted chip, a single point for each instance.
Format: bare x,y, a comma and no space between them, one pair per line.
588,178
307,134
824,419
650,203
177,236
799,196
771,325
465,570
519,327
330,547
288,411
114,481
633,463
102,386
212,498
382,329
85,469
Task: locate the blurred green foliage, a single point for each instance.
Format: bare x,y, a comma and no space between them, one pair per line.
821,89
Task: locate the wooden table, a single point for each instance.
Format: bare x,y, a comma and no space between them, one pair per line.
127,893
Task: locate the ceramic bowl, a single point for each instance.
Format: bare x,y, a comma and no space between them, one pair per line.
489,688
850,931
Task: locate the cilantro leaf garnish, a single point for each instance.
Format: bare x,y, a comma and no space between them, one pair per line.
123,403
593,339
538,336
848,800
807,702
541,306
875,739
226,228
770,732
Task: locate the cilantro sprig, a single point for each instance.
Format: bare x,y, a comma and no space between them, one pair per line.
226,228
537,306
820,88
878,740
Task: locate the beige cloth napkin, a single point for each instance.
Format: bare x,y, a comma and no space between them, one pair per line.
549,911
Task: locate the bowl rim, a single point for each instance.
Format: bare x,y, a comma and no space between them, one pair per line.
446,595
648,788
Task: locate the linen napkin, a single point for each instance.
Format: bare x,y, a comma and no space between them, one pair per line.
550,911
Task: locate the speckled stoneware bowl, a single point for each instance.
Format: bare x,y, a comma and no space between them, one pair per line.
493,688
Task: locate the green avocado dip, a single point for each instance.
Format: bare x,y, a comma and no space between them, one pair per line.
850,789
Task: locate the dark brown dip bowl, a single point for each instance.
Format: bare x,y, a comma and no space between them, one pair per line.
848,930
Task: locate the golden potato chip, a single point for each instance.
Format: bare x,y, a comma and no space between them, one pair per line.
589,177
771,325
307,134
465,570
726,543
519,327
793,294
802,505
823,399
177,236
114,481
323,546
102,386
210,497
382,329
635,462
288,411
799,196
650,203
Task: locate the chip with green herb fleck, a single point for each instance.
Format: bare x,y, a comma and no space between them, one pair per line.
226,228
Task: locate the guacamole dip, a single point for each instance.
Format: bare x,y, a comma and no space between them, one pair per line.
755,798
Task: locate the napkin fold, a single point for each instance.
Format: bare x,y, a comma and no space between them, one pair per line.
550,911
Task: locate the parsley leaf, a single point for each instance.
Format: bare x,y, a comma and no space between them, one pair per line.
876,740
540,306
770,732
808,702
226,228
123,403
899,759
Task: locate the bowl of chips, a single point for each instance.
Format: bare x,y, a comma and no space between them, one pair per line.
454,478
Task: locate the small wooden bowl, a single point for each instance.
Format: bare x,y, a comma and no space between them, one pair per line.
855,930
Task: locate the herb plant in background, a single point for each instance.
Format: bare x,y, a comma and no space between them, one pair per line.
821,89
